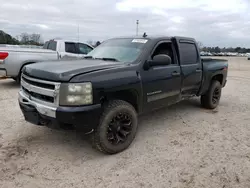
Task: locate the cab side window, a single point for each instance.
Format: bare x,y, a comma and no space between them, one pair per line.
70,47
164,48
189,53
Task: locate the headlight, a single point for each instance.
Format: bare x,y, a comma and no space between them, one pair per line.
74,94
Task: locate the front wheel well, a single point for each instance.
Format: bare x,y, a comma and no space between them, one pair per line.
27,63
129,96
218,77
18,77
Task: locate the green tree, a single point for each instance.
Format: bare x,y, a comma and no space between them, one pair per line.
217,49
7,39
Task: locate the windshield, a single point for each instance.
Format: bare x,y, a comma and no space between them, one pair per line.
122,50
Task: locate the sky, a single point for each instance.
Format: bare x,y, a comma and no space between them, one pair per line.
212,22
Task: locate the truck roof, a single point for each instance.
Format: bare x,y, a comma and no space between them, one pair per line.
63,40
158,37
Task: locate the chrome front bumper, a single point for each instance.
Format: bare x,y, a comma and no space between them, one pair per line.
42,109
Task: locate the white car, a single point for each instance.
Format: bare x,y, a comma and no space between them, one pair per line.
248,56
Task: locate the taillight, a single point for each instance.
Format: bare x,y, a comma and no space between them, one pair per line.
3,55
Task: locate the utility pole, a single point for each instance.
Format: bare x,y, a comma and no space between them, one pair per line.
78,38
137,26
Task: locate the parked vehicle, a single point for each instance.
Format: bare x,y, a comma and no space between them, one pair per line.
68,49
205,54
118,80
12,60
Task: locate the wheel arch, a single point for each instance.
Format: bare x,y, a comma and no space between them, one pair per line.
218,77
129,95
18,78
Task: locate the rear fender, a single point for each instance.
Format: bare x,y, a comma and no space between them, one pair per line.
208,80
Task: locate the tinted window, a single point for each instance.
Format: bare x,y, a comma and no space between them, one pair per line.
52,45
70,47
188,53
166,49
83,48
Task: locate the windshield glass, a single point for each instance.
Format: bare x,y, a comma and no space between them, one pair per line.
123,50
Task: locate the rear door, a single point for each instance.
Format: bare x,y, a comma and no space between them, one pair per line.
191,67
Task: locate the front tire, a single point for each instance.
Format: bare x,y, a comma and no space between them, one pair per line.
117,128
212,98
18,78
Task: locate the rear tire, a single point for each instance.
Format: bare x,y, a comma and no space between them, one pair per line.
212,98
117,128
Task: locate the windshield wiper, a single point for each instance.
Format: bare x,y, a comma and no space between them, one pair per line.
108,59
101,58
88,57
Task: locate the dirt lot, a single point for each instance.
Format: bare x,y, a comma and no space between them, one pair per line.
180,146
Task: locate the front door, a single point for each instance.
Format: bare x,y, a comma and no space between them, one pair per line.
161,84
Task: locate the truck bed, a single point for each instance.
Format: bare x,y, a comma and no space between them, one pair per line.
207,60
30,50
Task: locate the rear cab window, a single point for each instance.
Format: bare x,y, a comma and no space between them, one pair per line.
188,53
51,45
45,46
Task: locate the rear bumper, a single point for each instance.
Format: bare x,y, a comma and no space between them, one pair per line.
84,118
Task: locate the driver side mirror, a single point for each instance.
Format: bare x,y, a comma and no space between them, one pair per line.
158,60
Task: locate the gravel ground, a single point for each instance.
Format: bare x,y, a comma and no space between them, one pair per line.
180,146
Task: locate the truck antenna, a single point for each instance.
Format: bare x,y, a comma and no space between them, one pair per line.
137,27
78,33
78,37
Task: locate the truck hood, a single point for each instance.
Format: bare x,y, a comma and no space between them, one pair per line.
64,70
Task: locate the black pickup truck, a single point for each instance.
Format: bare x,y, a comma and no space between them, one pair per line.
104,93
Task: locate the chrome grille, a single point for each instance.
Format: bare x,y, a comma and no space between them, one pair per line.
41,91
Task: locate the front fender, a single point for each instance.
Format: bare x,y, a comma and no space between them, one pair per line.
111,81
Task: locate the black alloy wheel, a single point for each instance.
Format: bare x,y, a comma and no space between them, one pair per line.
211,98
216,95
119,128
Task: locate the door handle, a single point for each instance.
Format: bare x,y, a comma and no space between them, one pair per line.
198,70
176,73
